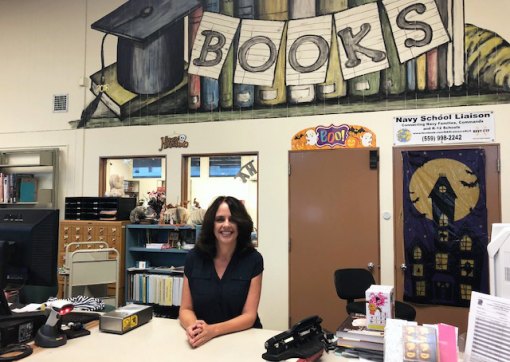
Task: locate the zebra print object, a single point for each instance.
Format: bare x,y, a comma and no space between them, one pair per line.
84,303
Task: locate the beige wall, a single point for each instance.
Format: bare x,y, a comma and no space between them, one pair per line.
45,54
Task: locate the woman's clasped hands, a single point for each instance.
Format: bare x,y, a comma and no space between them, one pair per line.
199,333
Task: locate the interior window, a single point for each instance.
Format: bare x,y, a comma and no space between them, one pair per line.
138,176
209,176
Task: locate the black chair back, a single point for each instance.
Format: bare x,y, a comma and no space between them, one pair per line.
351,283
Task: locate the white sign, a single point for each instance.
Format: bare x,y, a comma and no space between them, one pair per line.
440,128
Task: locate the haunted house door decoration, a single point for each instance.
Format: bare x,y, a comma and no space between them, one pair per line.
445,226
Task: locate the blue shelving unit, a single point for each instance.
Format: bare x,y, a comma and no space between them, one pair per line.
138,235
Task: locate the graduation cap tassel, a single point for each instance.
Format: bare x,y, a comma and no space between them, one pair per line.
87,113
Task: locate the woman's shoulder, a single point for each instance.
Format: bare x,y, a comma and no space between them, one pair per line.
253,255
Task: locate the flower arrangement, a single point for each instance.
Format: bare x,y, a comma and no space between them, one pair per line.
376,301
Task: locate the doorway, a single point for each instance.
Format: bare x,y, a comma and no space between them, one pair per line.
433,313
333,223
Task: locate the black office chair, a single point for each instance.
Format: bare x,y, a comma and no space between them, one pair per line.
351,284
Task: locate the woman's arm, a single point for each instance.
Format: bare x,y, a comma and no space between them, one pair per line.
206,332
187,315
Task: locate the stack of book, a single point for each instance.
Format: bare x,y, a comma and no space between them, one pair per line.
354,338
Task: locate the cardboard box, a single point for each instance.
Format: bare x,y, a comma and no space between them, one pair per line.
380,306
126,318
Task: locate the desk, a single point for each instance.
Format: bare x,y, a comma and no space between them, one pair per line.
161,340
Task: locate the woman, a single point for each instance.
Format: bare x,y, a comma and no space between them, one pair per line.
222,275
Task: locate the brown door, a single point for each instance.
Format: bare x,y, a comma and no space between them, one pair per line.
333,223
429,313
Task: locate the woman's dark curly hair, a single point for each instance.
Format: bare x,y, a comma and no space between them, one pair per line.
207,241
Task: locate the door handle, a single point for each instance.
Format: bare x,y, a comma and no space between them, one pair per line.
370,266
403,267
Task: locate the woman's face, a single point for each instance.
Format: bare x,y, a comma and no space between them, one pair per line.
225,230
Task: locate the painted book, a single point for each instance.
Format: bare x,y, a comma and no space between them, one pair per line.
335,85
244,94
421,72
367,84
193,79
227,73
124,103
393,78
432,70
276,94
442,50
210,87
299,9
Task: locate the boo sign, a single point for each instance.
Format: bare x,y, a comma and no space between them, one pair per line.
416,27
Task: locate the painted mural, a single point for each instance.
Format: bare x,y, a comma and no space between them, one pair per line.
207,60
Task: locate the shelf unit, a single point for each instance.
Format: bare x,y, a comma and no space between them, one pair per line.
76,231
35,169
137,236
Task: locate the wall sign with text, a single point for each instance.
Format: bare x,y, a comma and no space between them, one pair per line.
465,127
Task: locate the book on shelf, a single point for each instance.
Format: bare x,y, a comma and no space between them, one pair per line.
154,245
1,187
355,327
27,185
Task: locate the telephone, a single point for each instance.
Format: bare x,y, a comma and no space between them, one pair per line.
305,339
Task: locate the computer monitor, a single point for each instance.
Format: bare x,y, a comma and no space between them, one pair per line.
28,248
498,251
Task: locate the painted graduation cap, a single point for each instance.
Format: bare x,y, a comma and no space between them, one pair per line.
150,49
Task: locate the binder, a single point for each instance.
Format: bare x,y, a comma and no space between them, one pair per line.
335,85
269,96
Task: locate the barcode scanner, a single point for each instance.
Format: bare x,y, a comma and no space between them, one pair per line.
50,335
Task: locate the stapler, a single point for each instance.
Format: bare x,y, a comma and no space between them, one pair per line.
304,340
